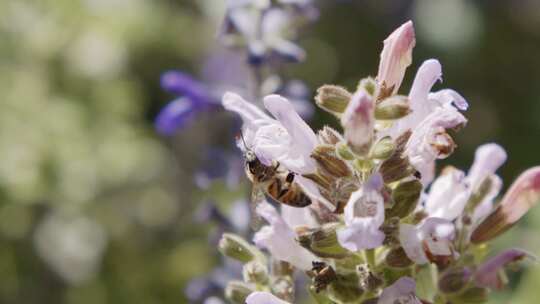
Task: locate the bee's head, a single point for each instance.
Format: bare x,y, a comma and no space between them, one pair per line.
250,156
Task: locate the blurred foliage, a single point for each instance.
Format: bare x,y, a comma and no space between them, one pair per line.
95,208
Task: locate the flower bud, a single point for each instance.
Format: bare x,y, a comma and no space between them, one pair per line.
345,288
472,295
369,85
329,136
383,149
237,248
488,274
405,197
343,151
391,108
323,242
237,292
327,160
454,280
333,99
396,56
397,166
358,121
522,195
255,272
397,258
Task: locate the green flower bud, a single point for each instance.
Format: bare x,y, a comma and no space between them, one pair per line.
237,248
397,258
383,149
392,108
255,272
472,295
333,99
323,242
328,161
454,280
369,85
345,289
237,292
343,151
405,197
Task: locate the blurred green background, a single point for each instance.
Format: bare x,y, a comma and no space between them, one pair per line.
97,208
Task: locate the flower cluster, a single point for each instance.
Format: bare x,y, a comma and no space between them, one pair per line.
380,221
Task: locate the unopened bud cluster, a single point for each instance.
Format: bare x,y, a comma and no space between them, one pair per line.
379,221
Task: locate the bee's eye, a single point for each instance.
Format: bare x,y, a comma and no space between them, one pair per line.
290,177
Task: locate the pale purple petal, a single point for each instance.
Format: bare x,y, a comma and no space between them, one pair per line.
396,56
487,274
302,138
402,291
429,140
411,241
448,195
449,97
248,111
295,217
429,72
522,195
487,159
263,297
279,239
364,214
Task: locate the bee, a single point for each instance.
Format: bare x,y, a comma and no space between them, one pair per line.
273,181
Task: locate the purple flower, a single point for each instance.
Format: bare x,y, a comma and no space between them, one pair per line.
364,215
280,239
402,291
487,274
430,239
194,97
175,115
287,138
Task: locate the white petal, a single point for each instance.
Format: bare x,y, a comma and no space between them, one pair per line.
449,97
263,297
429,72
279,239
295,217
410,239
448,195
303,139
429,140
487,159
250,113
361,234
485,207
402,291
437,234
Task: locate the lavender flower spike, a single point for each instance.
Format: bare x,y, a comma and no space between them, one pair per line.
487,274
175,115
396,56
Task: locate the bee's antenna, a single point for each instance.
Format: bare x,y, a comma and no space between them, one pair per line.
243,140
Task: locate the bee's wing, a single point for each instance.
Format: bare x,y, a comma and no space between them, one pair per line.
257,197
